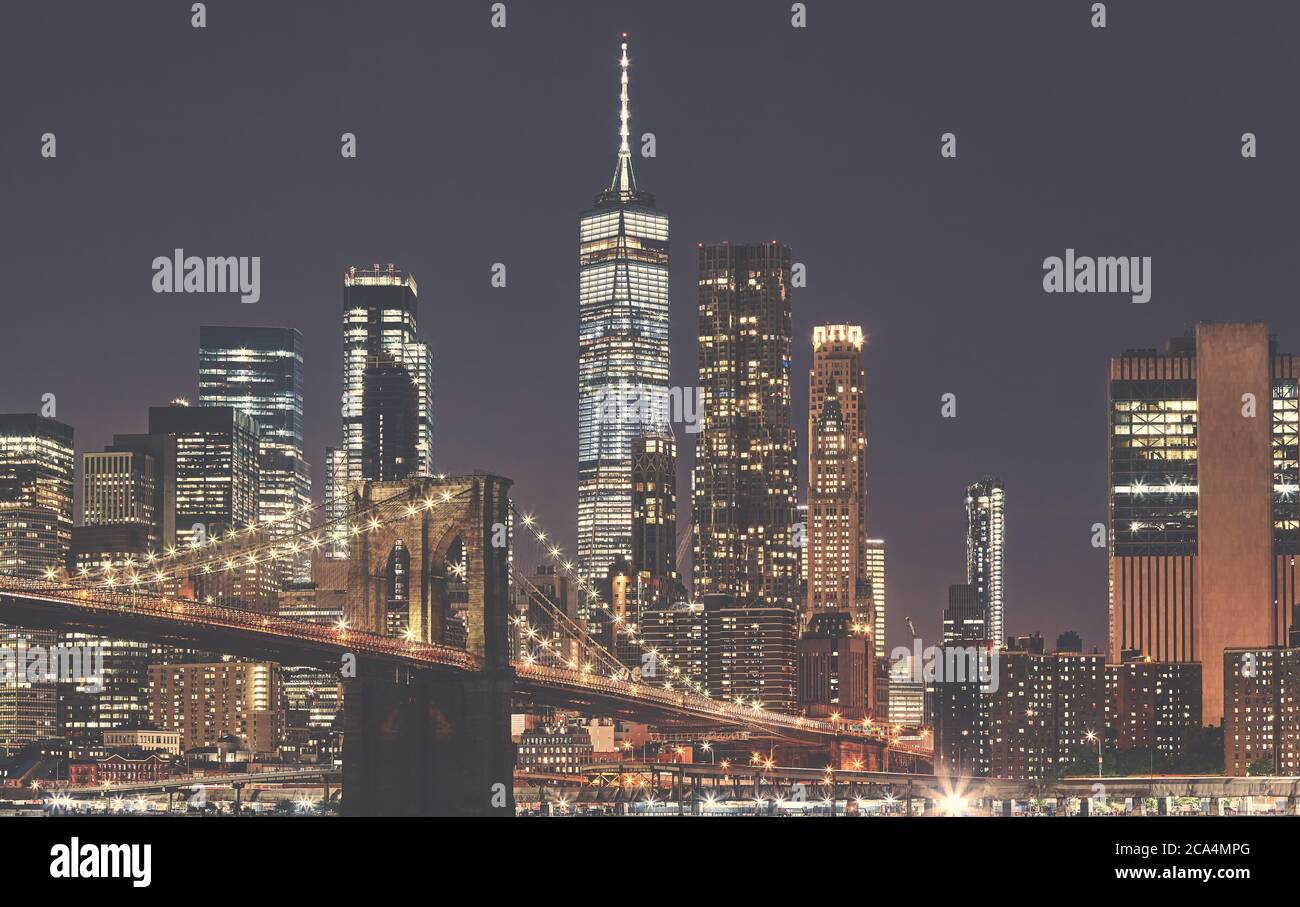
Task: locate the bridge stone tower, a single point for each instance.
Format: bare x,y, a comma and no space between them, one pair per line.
436,741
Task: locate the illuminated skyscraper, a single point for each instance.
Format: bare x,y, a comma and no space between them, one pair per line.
986,518
876,572
36,470
838,577
622,350
258,371
1204,499
123,499
745,477
211,488
380,340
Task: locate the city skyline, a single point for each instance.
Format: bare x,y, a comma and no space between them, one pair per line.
919,487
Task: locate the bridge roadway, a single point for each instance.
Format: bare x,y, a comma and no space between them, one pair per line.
252,634
847,784
211,782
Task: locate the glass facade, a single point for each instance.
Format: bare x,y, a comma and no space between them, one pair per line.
1153,467
623,361
36,475
380,311
258,371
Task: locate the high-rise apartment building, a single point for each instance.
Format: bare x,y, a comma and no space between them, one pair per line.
208,701
1080,688
1261,719
752,652
678,633
839,577
258,371
385,365
36,475
745,475
1022,717
1152,704
986,517
623,361
1204,501
876,574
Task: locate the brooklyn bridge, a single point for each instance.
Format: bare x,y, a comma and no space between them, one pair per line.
426,726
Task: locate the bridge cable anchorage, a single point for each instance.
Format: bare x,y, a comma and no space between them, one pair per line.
233,554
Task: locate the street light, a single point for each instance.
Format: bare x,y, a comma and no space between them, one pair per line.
1091,736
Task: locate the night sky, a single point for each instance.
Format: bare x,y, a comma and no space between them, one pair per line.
478,145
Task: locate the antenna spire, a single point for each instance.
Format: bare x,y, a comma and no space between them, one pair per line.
624,182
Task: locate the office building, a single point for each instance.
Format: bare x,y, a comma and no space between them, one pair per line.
385,365
623,360
1204,510
258,371
36,475
211,482
906,692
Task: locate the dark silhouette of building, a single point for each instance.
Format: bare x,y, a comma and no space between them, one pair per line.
1069,641
389,421
835,667
654,519
964,619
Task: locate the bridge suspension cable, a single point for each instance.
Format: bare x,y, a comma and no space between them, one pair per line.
620,624
223,554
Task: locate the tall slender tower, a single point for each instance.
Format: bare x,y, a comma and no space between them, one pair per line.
387,370
986,519
745,481
622,350
839,578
